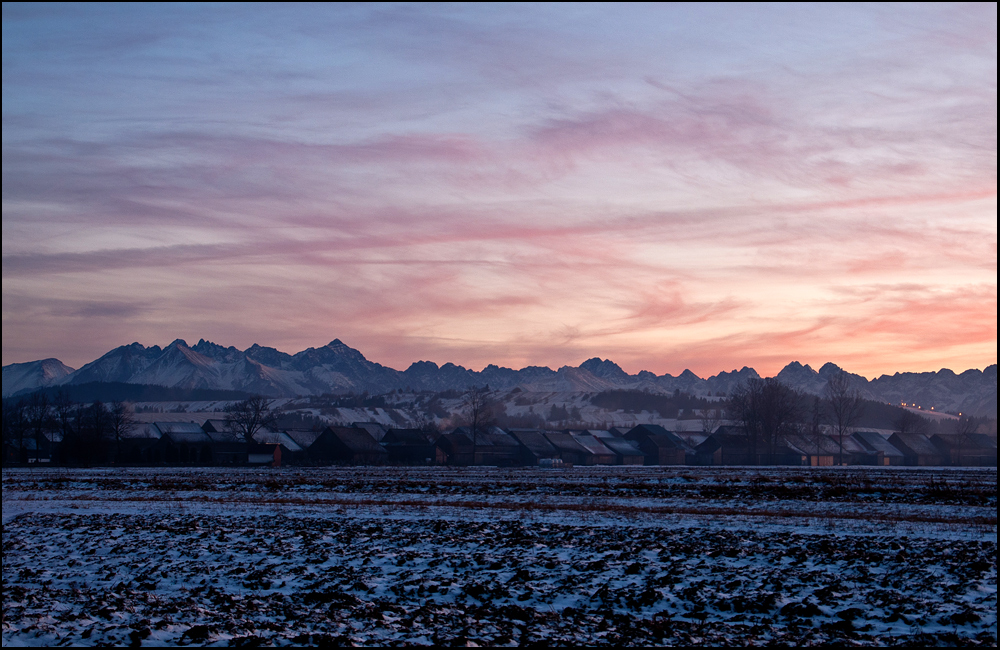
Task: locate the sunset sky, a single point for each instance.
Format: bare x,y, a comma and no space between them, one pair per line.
667,186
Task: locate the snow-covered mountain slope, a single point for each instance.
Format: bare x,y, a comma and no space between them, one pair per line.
121,364
338,368
20,377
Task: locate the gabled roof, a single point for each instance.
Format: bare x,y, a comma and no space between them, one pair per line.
178,427
304,437
814,445
661,437
456,440
648,428
792,446
405,437
500,438
146,430
357,440
374,429
918,443
875,441
851,445
198,437
224,436
269,437
565,443
592,444
724,436
536,442
692,438
488,437
622,447
216,425
983,441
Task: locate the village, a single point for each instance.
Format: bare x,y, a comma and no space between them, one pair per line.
218,442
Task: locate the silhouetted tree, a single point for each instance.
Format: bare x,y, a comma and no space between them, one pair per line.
37,414
15,426
121,424
711,418
479,413
846,406
86,439
964,426
909,422
767,410
248,417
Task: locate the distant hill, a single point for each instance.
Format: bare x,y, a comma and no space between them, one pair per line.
111,391
336,368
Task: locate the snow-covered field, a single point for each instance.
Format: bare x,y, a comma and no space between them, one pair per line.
389,556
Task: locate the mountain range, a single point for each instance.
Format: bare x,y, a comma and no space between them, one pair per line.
338,368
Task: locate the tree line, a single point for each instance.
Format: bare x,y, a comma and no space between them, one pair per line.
38,426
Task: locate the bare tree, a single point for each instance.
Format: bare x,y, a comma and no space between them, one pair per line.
965,426
248,417
64,410
37,413
767,410
15,425
909,422
121,423
711,418
846,405
479,413
87,442
815,428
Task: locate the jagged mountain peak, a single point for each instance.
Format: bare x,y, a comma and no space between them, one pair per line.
603,368
829,369
338,346
796,366
421,367
338,368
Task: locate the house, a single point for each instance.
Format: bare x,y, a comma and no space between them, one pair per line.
289,451
918,450
875,442
492,446
304,438
181,443
730,445
228,447
140,448
453,448
375,429
27,450
856,453
534,447
503,450
570,451
970,449
346,446
626,452
408,447
816,450
659,446
600,454
987,445
261,454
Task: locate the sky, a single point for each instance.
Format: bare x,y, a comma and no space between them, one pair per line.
668,186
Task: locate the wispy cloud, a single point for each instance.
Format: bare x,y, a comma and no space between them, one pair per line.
539,185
